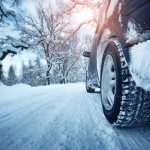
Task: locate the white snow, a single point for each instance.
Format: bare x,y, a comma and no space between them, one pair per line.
5,48
60,117
140,64
134,35
19,43
132,32
139,53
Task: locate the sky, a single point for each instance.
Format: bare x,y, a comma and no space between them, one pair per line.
29,7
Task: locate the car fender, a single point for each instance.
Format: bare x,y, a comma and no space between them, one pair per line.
103,44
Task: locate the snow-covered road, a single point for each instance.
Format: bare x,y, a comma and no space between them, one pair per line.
61,117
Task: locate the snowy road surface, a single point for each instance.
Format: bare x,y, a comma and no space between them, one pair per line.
61,117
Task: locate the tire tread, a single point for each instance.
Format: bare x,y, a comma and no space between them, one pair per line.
135,104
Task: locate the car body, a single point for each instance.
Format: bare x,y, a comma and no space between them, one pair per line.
117,25
113,29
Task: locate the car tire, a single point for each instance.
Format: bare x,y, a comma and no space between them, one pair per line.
89,89
124,104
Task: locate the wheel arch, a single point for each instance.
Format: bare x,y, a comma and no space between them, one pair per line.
111,42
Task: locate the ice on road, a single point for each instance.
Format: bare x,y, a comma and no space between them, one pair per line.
61,117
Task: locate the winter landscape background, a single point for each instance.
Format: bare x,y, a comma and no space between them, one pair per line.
43,101
48,38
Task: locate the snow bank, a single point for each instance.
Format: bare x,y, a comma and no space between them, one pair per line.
140,64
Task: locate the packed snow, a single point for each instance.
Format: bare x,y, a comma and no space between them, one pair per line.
61,117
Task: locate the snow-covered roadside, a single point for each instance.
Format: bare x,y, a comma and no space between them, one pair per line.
60,117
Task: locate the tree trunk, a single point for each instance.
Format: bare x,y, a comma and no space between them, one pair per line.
48,73
0,72
67,80
64,82
61,82
48,77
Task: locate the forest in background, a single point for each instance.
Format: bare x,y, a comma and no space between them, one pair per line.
51,35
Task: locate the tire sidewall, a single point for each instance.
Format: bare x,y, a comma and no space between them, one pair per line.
112,114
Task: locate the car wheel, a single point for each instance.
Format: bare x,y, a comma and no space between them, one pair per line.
89,89
124,104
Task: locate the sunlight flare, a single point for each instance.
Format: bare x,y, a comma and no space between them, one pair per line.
84,15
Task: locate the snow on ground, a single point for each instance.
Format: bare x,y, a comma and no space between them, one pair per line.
61,117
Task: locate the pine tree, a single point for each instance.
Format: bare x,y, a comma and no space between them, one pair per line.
40,73
1,71
12,79
25,74
31,74
4,79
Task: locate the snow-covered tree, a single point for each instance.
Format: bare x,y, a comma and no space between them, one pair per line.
34,73
7,11
76,6
46,32
71,53
12,78
25,74
40,71
10,45
3,78
31,76
49,32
